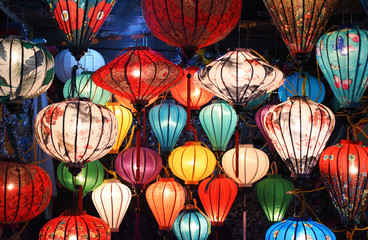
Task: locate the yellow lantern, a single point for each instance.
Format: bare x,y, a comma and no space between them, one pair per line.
192,162
125,118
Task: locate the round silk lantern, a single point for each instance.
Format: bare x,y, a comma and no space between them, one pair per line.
299,228
76,131
198,96
127,103
342,59
344,169
299,129
167,121
112,200
300,23
165,198
90,177
75,226
191,25
141,170
253,164
64,62
313,87
192,162
244,77
25,192
260,117
217,195
218,121
191,224
26,70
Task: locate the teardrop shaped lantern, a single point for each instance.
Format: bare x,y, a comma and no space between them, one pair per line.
165,198
26,70
217,195
260,117
218,121
138,75
191,224
253,164
300,23
112,200
239,77
167,121
342,59
138,171
299,129
343,168
192,162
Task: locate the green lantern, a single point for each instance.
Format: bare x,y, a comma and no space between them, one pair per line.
272,194
91,176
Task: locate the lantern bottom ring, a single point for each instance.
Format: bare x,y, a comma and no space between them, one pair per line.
217,224
245,185
165,228
304,176
114,229
191,182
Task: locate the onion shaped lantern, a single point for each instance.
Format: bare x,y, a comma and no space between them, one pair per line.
218,121
75,131
260,117
165,198
343,168
25,192
90,177
125,119
217,195
112,200
299,129
26,70
299,228
167,121
138,171
191,224
75,225
239,77
300,23
192,162
313,88
253,164
342,59
138,75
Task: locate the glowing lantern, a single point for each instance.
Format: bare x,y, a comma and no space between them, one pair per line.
25,192
218,121
26,71
198,96
342,59
300,23
167,121
217,196
111,200
299,129
260,117
127,103
191,224
165,199
344,169
192,162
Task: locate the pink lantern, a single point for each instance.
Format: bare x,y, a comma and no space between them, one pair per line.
260,116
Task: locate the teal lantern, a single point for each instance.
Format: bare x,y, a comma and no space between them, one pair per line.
257,102
90,177
167,121
191,224
342,57
85,88
313,87
218,121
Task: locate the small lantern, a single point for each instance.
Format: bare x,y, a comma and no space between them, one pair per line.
191,224
260,117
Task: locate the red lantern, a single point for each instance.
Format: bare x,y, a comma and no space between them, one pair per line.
25,191
217,195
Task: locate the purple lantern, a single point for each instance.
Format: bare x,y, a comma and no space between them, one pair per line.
126,165
260,116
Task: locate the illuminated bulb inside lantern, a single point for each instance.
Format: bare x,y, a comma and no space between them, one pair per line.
136,73
10,186
80,178
197,92
73,237
353,170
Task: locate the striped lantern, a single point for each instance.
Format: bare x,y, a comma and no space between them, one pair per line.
191,224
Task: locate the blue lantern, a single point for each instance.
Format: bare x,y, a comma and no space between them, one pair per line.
218,121
191,224
313,87
167,121
256,102
299,228
342,57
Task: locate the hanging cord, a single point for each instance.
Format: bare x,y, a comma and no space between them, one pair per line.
22,230
138,148
137,211
253,126
244,216
113,173
274,169
319,80
144,126
190,128
305,77
73,84
237,150
129,143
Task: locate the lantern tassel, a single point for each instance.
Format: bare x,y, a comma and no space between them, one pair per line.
137,210
244,218
237,152
80,198
138,148
190,128
73,85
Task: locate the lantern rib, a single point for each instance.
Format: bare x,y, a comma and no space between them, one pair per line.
246,87
308,162
115,222
222,66
127,63
159,129
354,83
178,38
287,157
333,191
66,220
228,203
163,204
10,64
362,89
145,94
154,208
19,193
131,177
102,212
1,87
353,195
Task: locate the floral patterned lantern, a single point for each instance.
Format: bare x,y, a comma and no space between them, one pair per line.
299,129
260,116
191,224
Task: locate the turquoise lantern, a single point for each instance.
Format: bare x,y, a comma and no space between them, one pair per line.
191,224
343,59
167,121
256,102
218,121
313,87
87,89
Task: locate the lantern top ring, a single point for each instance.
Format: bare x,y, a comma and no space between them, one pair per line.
299,97
137,48
342,141
239,49
70,99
